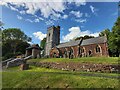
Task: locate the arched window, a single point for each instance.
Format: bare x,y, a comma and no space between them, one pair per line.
82,50
97,49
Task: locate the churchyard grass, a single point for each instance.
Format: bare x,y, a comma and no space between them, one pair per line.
37,77
103,60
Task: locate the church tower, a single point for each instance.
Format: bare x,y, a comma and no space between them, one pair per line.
53,38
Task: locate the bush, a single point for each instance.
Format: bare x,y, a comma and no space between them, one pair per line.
7,56
10,55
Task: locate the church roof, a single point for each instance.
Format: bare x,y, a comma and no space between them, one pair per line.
68,44
81,42
95,40
35,46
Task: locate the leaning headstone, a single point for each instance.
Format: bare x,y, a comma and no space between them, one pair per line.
24,66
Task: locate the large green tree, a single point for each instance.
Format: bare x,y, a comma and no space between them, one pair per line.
114,38
14,41
14,34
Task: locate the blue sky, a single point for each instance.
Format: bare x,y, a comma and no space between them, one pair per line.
75,18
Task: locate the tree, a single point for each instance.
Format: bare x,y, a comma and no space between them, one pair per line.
14,34
114,38
105,32
42,46
85,37
14,42
42,43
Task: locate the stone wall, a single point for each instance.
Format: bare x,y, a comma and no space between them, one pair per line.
72,66
17,61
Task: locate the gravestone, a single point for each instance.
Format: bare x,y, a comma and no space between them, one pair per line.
24,66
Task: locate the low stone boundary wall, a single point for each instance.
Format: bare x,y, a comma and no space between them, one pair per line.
72,66
17,61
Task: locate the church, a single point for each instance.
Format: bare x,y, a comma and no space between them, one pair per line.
93,47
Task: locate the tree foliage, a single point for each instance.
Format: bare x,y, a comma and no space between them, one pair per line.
14,34
113,37
105,32
14,42
42,43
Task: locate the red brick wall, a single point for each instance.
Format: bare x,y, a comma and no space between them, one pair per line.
87,48
92,48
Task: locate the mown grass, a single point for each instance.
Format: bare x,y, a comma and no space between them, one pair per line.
37,77
39,69
103,60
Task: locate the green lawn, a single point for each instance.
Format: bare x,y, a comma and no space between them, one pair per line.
103,60
37,77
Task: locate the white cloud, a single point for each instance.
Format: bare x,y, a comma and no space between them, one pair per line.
19,17
22,12
29,20
77,13
47,9
39,35
76,32
93,9
37,20
95,34
13,8
65,16
81,20
77,2
49,22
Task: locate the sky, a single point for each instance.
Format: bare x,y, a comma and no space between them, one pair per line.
74,18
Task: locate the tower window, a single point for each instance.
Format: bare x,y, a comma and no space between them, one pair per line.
49,37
